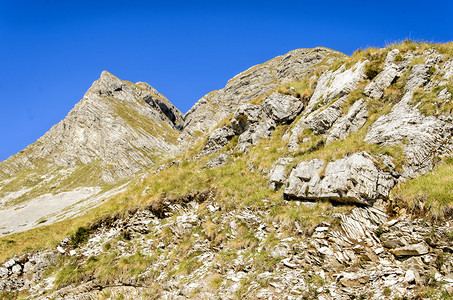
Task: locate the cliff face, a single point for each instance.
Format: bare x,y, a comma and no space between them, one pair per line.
313,175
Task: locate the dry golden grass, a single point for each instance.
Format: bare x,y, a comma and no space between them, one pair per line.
429,195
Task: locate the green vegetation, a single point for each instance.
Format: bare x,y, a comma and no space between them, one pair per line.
429,195
429,102
80,236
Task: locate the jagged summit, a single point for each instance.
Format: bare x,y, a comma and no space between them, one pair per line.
108,85
116,130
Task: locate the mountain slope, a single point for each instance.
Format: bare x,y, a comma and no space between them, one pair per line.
303,191
117,130
254,83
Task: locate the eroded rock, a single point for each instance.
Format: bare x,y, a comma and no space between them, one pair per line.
411,250
350,123
353,179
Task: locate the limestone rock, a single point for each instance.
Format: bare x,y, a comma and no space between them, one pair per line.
419,76
278,173
353,179
321,122
350,123
447,69
422,137
334,84
115,124
255,82
3,272
218,139
331,86
252,122
283,109
9,263
411,250
217,161
383,80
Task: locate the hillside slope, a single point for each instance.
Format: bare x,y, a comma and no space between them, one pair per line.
333,183
254,83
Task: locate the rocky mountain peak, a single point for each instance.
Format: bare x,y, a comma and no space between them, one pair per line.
117,129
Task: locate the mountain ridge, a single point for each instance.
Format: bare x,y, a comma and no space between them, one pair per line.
334,184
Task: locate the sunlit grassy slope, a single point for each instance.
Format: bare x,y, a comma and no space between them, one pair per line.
243,182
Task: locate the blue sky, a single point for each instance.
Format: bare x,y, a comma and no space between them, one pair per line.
51,51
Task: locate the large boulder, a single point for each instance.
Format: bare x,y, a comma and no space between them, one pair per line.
353,179
283,109
278,173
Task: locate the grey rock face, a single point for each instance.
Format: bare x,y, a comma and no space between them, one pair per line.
251,84
118,124
331,85
278,173
383,80
334,84
253,122
3,272
283,109
419,76
321,122
354,179
447,69
422,137
351,122
218,139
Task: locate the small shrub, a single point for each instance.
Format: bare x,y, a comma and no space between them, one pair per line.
371,71
398,58
81,236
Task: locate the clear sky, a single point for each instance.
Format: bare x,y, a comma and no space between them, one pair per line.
51,51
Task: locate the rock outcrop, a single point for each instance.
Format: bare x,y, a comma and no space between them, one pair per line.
348,133
383,80
256,82
422,137
324,107
353,179
349,123
252,122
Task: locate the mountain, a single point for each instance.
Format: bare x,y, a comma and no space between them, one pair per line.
311,176
254,83
117,130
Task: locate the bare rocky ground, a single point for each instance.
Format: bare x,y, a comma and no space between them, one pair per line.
364,254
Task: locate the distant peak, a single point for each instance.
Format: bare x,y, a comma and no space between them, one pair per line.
106,74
